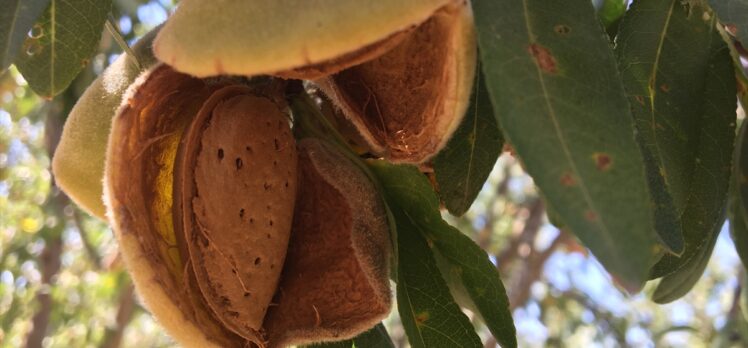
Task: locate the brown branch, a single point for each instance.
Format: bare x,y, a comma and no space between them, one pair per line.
125,311
49,260
90,249
533,269
532,225
50,263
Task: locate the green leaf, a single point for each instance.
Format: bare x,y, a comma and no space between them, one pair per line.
666,99
556,90
416,210
679,75
744,296
429,314
734,15
69,32
476,279
741,169
16,21
377,337
339,344
738,208
675,285
463,166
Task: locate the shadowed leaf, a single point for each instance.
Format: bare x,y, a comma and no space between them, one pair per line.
463,166
377,337
679,76
739,195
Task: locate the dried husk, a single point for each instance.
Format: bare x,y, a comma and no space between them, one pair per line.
335,281
78,162
290,38
161,183
408,102
204,190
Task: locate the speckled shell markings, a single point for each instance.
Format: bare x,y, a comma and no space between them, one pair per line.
238,184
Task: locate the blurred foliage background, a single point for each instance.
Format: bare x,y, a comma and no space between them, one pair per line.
62,283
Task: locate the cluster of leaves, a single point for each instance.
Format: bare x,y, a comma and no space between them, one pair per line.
624,117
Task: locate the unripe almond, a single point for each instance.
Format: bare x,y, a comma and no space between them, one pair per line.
408,102
78,162
292,38
335,281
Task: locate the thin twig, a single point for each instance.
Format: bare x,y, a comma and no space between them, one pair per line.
111,25
90,249
125,311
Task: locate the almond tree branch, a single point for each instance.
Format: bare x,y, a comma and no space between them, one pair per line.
90,249
49,261
125,311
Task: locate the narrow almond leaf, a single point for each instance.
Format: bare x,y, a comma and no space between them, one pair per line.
675,285
663,69
744,296
734,15
738,208
68,34
741,169
463,166
339,344
678,73
428,312
556,91
416,210
16,20
739,230
377,337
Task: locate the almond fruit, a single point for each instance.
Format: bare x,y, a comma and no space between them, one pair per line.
201,190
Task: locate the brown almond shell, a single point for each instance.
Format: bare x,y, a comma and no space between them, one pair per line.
237,183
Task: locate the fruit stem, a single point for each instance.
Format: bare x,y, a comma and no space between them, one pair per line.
305,113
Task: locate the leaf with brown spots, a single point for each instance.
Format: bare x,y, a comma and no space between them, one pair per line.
68,34
556,92
672,56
